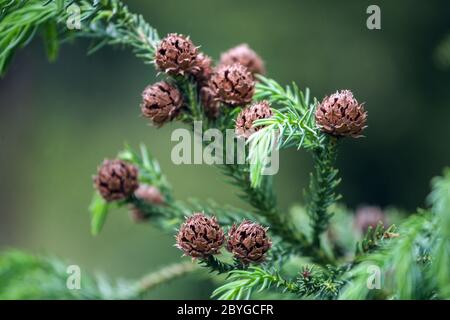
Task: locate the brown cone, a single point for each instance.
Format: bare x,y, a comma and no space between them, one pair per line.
149,194
161,102
176,55
233,84
116,180
200,236
244,55
249,242
202,69
341,115
244,122
210,104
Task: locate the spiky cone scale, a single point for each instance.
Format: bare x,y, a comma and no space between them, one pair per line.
116,180
244,55
232,84
341,115
244,122
200,236
176,55
161,102
248,242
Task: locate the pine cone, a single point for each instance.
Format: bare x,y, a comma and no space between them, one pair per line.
176,55
116,180
368,217
149,194
249,242
341,115
202,69
200,236
232,84
244,55
161,102
244,122
210,104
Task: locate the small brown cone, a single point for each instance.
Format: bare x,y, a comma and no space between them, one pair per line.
200,236
244,123
209,103
244,55
249,242
341,115
176,55
202,69
161,102
116,180
232,84
149,194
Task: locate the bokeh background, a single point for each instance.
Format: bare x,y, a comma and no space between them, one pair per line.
58,121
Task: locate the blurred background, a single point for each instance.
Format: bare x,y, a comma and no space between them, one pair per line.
59,121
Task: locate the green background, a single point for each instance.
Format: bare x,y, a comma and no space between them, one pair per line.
59,121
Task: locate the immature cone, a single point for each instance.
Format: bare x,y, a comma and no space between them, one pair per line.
200,236
202,69
161,102
210,104
341,115
244,123
232,84
249,242
149,194
368,217
116,180
244,55
176,55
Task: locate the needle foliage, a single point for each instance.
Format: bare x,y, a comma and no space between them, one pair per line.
313,253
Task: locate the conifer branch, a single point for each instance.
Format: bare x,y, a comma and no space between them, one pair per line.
25,276
323,183
398,263
162,276
262,198
167,215
440,245
312,282
415,261
263,202
215,265
295,125
242,283
108,22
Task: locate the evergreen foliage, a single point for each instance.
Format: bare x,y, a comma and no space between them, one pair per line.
309,258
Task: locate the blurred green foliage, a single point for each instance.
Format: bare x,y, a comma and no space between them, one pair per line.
58,121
